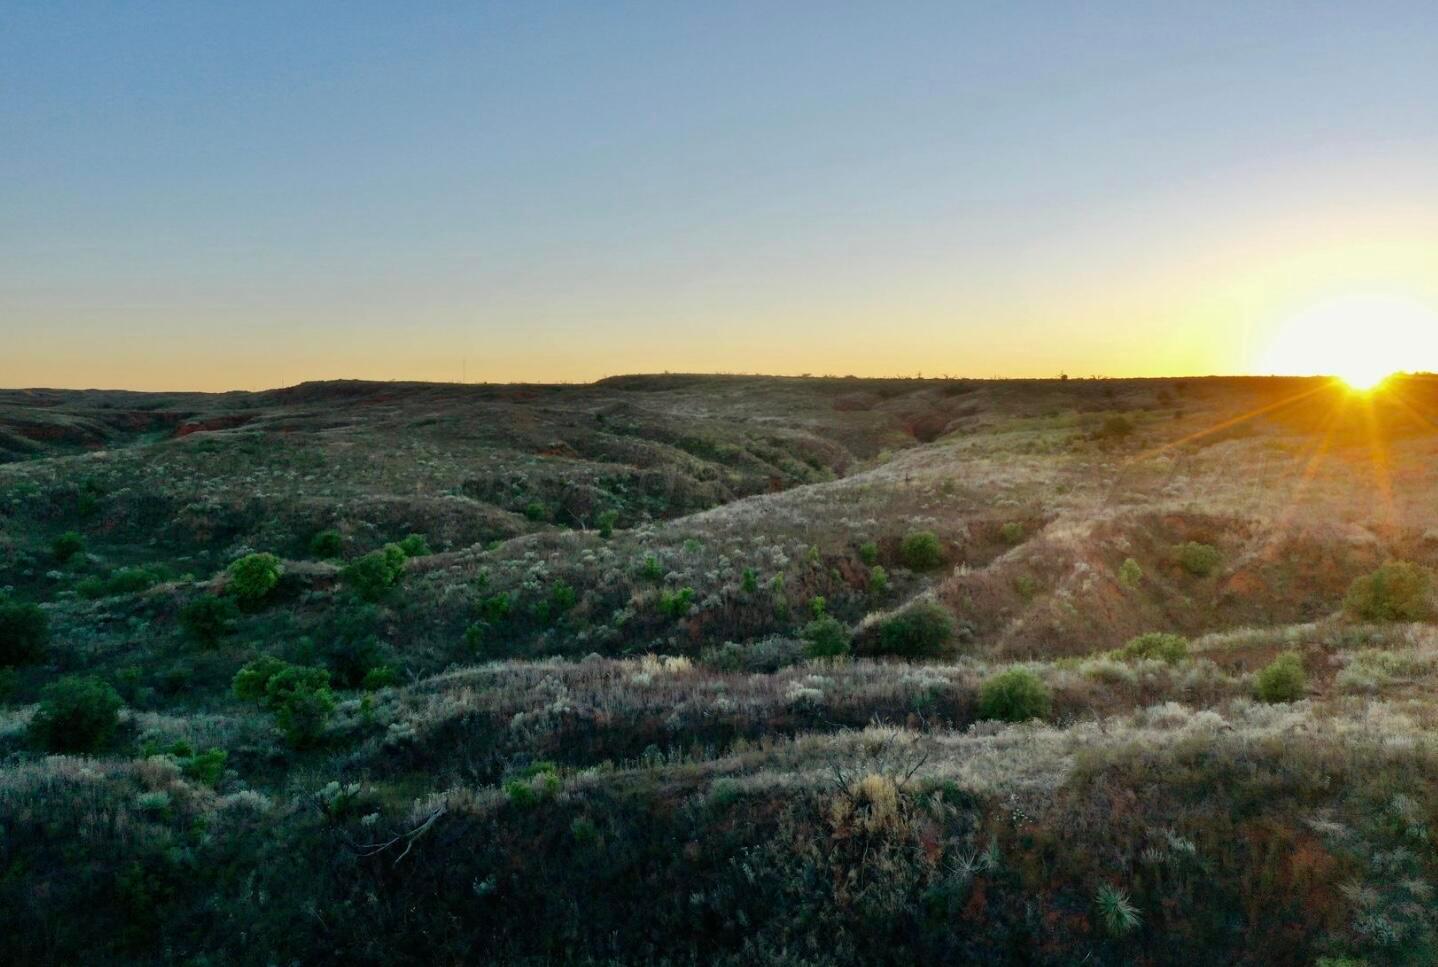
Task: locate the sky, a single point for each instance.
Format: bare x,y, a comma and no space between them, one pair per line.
216,196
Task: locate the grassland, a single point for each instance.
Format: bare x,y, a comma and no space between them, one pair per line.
684,669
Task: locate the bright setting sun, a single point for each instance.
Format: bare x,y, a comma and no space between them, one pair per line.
1361,339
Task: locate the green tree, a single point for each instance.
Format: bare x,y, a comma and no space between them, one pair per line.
372,575
825,637
1015,695
66,546
327,544
24,633
921,551
924,629
299,696
209,619
1397,591
78,713
253,577
1283,680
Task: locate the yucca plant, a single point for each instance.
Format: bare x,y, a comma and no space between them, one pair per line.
1115,911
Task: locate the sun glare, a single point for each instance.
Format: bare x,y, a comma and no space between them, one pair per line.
1360,339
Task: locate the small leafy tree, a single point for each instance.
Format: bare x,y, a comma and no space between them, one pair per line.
327,544
536,511
749,584
1130,574
878,579
924,629
299,696
1197,559
825,637
676,604
606,521
209,619
254,576
24,633
415,546
78,713
921,551
1158,645
869,553
372,575
1397,591
1284,680
66,546
1016,695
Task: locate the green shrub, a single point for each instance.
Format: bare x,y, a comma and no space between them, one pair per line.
124,580
1012,532
1016,695
562,597
1158,645
921,551
327,544
1115,428
66,546
372,575
24,633
382,676
1130,574
825,637
676,604
415,546
299,696
650,568
869,553
878,579
209,619
924,629
1197,559
78,713
606,521
1283,680
749,584
254,576
496,607
535,511
1397,591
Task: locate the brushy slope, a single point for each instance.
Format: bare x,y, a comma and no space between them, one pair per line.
568,715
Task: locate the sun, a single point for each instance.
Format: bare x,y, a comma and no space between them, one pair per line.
1360,339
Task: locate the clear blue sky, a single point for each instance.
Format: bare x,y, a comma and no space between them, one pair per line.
250,194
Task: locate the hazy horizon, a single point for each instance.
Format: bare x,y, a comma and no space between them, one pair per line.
237,198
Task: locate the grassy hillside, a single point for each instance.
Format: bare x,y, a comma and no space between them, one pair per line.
681,669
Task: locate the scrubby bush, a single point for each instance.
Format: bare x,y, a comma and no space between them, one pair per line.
1015,695
921,551
209,619
78,713
327,544
536,511
825,637
415,546
749,583
66,546
24,633
1130,574
298,695
1283,680
924,629
606,521
650,569
1115,911
1115,428
878,579
372,575
254,576
124,580
869,553
1158,645
1397,591
1012,532
676,604
1197,559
